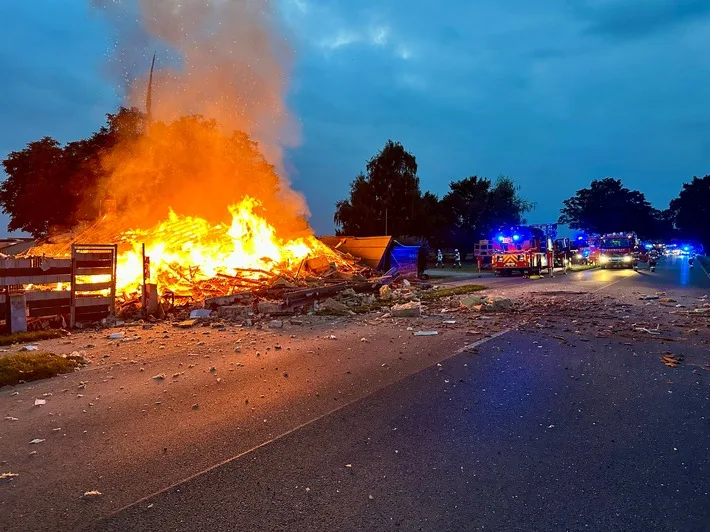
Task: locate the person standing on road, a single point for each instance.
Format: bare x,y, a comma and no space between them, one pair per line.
439,259
457,259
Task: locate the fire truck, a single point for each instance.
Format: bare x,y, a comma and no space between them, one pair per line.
619,250
565,250
586,249
523,249
483,250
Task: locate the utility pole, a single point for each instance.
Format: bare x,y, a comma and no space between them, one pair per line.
386,222
149,95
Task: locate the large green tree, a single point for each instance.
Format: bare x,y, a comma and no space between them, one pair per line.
607,206
385,199
53,187
474,208
691,210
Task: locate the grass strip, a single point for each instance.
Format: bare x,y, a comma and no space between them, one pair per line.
33,366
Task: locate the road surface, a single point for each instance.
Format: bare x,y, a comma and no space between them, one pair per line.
564,419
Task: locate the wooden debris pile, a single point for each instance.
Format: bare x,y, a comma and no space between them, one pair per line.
315,277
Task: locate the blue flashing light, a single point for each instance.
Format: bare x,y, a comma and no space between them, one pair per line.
686,248
501,238
580,238
649,246
585,253
516,237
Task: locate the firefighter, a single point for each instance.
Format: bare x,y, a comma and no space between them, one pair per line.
457,259
652,259
439,259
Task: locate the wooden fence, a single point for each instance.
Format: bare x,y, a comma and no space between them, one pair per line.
88,284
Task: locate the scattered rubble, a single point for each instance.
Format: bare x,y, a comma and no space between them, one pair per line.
413,309
333,305
486,303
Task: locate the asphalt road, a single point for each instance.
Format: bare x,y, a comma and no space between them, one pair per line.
538,429
567,422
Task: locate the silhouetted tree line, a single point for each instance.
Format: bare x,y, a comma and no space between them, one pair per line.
606,206
55,187
387,199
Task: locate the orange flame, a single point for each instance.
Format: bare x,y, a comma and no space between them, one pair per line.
184,250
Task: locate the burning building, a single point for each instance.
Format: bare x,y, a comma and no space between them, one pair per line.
197,187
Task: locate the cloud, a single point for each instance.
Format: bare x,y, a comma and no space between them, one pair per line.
536,91
552,93
628,19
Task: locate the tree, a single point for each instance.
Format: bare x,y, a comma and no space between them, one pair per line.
35,194
607,206
691,210
505,207
475,208
50,187
384,200
464,207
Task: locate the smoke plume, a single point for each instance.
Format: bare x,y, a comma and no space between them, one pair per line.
228,61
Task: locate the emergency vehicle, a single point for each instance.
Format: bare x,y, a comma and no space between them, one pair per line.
586,249
523,249
483,250
565,250
619,250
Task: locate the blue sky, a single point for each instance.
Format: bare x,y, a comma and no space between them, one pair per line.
551,93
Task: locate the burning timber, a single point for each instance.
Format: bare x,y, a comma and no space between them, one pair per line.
184,263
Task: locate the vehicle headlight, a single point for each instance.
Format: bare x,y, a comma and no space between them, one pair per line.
628,258
603,258
578,256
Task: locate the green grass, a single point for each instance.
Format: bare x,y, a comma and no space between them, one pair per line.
33,366
31,336
431,295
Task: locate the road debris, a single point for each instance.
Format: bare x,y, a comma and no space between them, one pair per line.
426,333
649,331
671,360
92,494
36,441
413,309
40,402
8,476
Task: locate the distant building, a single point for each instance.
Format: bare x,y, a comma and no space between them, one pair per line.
15,246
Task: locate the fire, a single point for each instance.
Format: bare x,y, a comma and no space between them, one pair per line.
186,250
